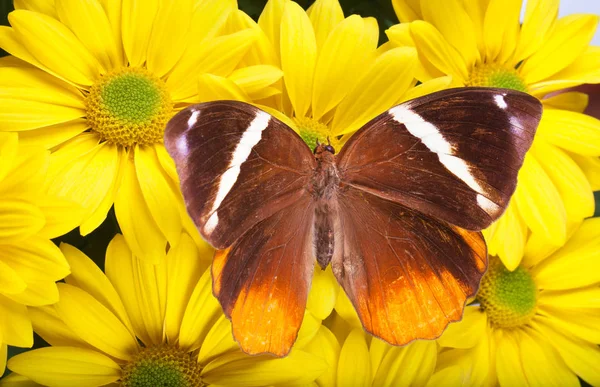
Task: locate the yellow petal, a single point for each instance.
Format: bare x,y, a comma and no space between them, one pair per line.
458,30
540,15
380,88
253,79
239,369
427,87
136,24
35,258
500,29
542,364
466,333
410,365
270,21
539,202
581,357
87,276
568,40
576,269
52,328
94,323
407,10
506,238
15,326
579,322
47,7
9,148
45,37
575,132
573,101
436,50
323,293
218,341
217,56
214,88
568,178
19,219
325,346
298,38
91,26
169,35
308,329
54,135
3,355
590,165
184,268
27,174
137,224
325,15
15,380
346,311
340,63
201,313
354,366
588,297
61,216
66,367
113,10
208,20
159,193
10,281
508,360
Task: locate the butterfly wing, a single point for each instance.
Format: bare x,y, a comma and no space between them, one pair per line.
237,166
452,155
407,275
262,280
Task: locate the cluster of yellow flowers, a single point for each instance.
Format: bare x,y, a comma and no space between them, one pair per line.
84,97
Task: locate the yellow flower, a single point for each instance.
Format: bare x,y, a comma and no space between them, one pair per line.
537,325
143,324
96,81
29,262
484,44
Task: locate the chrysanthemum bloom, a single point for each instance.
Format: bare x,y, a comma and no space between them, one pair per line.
484,44
29,262
148,325
538,325
96,82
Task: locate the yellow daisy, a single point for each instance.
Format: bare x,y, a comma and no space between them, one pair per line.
484,44
29,262
538,325
96,81
144,324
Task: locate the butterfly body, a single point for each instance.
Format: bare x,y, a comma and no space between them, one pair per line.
396,212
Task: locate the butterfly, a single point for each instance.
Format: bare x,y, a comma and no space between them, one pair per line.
397,212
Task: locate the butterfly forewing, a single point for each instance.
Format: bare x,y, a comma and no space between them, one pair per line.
407,275
237,165
452,155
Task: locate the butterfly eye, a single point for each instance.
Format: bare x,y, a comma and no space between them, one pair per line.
329,148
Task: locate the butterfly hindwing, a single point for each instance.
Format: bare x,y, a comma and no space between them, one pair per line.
237,166
406,274
452,155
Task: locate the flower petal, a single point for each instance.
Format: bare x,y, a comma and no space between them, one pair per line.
569,39
136,27
19,219
575,132
308,329
434,48
53,329
270,21
323,293
239,369
214,88
506,238
539,202
10,281
184,268
325,15
590,165
202,312
410,365
588,297
540,16
573,101
91,26
219,340
169,35
61,216
325,346
466,333
509,368
15,326
254,79
354,365
379,89
54,135
15,380
44,37
66,367
500,29
94,323
87,276
427,87
298,38
578,322
160,194
47,7
340,63
9,149
35,258
407,10
458,30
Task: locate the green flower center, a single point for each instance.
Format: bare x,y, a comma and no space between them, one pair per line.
312,130
492,75
162,366
508,297
129,106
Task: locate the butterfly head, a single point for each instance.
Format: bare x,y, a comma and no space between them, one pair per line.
320,148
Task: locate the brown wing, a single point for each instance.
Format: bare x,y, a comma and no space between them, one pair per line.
406,274
262,280
237,165
453,155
